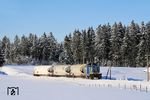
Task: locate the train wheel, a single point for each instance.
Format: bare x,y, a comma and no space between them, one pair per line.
92,77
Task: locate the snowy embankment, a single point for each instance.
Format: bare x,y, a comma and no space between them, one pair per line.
62,88
10,71
17,70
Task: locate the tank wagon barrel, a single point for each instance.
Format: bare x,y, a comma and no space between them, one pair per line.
42,70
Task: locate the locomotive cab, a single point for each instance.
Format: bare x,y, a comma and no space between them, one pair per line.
93,71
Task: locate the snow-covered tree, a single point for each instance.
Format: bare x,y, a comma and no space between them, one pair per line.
34,50
15,50
116,43
84,46
24,46
148,38
30,43
90,44
142,47
77,47
6,48
67,55
52,48
126,48
2,60
58,51
103,43
133,33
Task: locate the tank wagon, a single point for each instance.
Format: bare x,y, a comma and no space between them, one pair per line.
89,71
42,71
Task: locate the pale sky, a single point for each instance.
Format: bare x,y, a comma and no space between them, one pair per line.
64,16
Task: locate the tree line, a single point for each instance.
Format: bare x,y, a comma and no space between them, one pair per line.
31,49
108,45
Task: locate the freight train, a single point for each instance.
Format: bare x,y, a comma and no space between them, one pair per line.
89,71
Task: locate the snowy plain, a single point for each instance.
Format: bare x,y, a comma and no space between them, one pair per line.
127,84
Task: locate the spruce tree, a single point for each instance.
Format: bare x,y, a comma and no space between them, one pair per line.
24,46
116,43
133,33
43,49
77,47
67,55
52,47
2,61
84,46
103,43
142,47
34,49
16,50
126,48
90,44
30,44
6,48
148,38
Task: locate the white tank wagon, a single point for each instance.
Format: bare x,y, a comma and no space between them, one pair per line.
43,70
78,70
90,70
60,70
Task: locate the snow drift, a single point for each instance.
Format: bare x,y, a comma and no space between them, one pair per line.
13,71
146,70
9,71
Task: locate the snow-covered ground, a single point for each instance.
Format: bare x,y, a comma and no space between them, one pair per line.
126,73
128,84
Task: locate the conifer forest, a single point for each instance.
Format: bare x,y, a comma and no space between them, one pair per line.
116,45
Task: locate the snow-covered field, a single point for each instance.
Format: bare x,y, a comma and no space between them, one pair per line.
127,84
